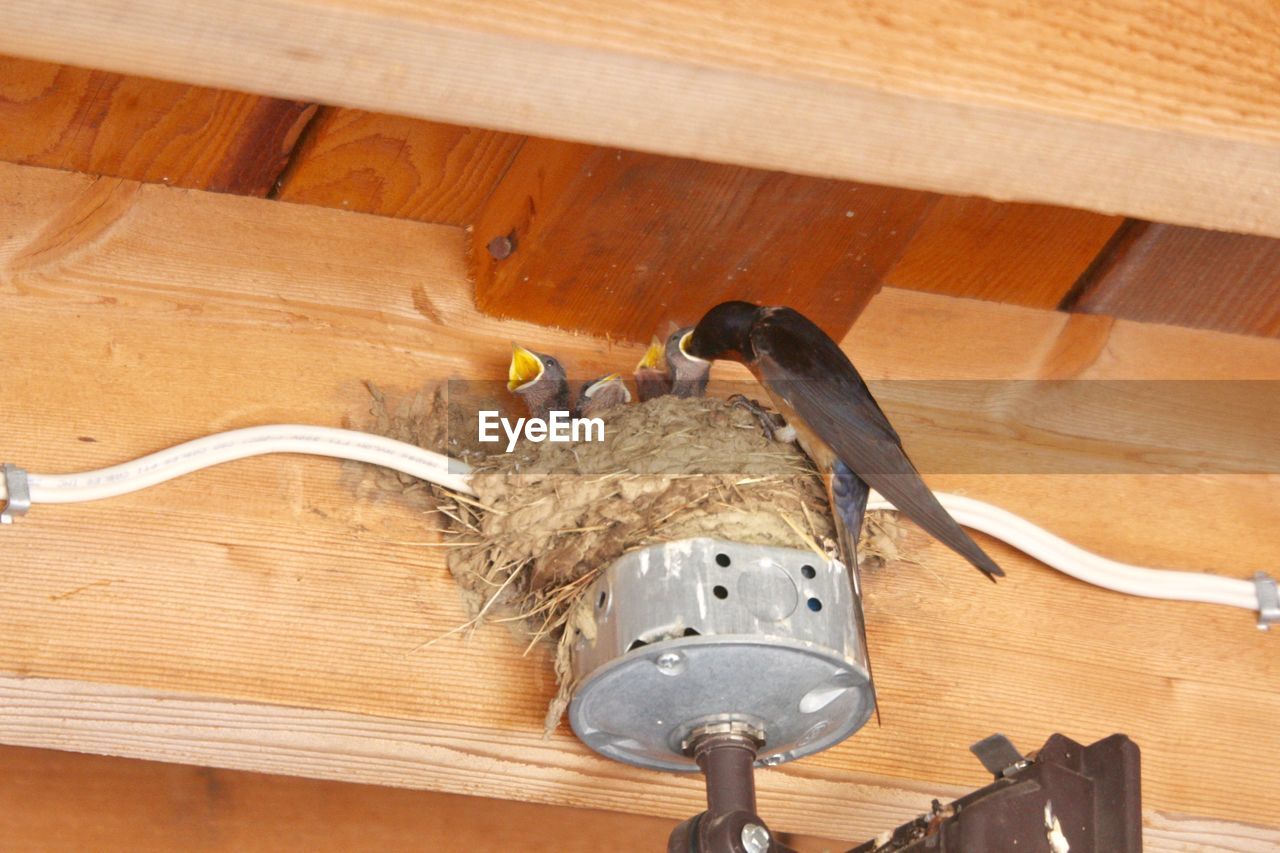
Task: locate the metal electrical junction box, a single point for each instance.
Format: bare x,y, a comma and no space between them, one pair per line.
706,633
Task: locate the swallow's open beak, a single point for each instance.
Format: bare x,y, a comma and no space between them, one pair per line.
652,359
525,368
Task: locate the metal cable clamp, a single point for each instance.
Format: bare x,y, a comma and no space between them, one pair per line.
18,492
1268,600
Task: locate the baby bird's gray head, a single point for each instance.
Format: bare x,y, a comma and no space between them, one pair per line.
688,372
540,380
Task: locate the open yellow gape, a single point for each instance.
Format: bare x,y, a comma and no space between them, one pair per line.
525,368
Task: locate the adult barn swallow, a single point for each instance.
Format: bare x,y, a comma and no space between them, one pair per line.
688,375
837,421
601,395
651,380
539,380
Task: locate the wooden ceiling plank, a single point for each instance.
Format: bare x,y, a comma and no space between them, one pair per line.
151,807
1167,114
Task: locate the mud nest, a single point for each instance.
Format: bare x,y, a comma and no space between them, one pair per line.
547,518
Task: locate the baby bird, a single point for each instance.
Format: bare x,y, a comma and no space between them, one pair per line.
688,372
539,380
651,379
601,395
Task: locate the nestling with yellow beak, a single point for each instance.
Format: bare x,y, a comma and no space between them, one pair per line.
651,379
540,380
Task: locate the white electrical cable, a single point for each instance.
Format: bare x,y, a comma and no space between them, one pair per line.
239,444
1083,565
444,471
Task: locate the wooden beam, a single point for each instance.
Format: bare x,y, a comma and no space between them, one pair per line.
617,243
398,752
146,806
1003,100
334,746
271,614
145,130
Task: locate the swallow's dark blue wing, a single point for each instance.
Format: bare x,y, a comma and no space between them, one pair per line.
798,362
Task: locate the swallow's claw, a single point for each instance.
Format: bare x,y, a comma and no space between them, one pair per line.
773,425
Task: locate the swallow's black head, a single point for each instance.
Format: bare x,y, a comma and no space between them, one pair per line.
724,332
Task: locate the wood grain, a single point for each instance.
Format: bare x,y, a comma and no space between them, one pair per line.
270,614
1168,114
1023,254
396,166
144,130
619,243
128,805
1189,277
